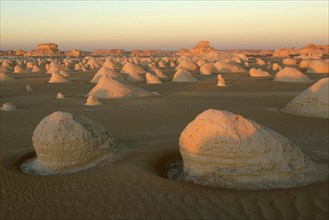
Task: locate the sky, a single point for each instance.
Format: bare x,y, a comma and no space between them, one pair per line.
165,25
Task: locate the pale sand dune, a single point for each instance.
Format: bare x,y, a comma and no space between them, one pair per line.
136,187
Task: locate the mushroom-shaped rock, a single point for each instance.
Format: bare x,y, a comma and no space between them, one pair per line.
290,74
8,107
318,66
108,88
313,102
92,101
253,72
183,75
223,149
152,79
64,143
57,78
221,80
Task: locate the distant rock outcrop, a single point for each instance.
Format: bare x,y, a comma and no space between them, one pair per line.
202,47
49,49
109,52
74,53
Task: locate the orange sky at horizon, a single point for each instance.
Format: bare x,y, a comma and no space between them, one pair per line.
164,25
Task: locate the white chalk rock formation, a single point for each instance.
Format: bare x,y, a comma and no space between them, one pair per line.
221,80
108,88
223,67
65,143
28,88
290,74
93,101
318,66
222,149
129,68
207,69
260,62
152,79
105,72
55,67
109,64
313,102
305,63
19,69
289,61
60,96
160,74
8,107
187,64
253,72
182,75
276,66
36,69
57,78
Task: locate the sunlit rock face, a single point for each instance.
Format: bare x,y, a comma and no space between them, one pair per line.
202,47
49,49
108,88
183,75
313,102
284,52
318,66
223,149
63,142
74,53
92,101
253,72
109,52
290,74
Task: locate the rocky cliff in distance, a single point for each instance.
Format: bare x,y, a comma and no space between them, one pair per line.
49,49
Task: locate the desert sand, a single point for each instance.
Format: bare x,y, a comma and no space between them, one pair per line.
147,129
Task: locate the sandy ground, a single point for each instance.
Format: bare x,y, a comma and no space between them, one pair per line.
136,185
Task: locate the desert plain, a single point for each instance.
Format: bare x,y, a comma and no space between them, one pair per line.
137,183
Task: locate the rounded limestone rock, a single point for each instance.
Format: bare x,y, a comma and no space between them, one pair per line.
223,149
64,142
312,102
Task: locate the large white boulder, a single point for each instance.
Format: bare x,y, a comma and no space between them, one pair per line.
313,102
290,74
105,72
64,142
108,88
223,149
183,75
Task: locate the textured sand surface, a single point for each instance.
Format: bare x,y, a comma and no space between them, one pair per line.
136,186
